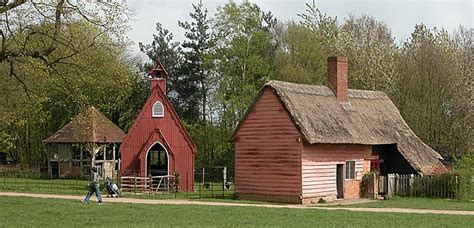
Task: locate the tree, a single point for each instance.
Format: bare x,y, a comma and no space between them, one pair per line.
35,29
303,48
197,82
371,51
324,28
95,76
244,56
244,60
169,53
462,136
196,67
433,91
300,57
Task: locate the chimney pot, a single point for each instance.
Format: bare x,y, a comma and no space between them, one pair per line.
337,77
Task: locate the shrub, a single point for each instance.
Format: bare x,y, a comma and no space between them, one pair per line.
367,185
455,184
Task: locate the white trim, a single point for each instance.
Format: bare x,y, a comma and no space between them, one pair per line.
162,110
167,156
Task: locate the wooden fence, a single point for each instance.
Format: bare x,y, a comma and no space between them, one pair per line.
153,184
418,186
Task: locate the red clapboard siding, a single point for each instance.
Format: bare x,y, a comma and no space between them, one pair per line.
268,151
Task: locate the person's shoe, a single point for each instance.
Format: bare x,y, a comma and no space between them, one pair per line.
100,203
84,202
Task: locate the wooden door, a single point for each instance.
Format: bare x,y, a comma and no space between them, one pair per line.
340,180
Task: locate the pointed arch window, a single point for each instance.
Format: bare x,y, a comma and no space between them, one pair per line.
158,110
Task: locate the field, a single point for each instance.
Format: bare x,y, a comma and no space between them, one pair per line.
419,203
23,211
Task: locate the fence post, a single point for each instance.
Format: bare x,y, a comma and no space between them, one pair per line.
203,182
411,181
224,181
397,183
456,186
374,185
135,185
175,188
187,185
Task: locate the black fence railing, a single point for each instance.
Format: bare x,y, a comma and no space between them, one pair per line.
37,183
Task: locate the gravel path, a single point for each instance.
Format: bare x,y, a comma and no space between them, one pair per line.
192,202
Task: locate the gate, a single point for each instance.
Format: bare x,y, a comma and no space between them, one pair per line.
209,182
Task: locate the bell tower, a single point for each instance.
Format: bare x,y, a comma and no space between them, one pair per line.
158,76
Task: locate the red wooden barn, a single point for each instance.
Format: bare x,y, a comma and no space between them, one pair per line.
300,143
157,143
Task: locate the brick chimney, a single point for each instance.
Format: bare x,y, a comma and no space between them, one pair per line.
337,77
158,76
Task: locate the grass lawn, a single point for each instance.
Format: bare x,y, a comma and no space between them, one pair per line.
418,203
24,211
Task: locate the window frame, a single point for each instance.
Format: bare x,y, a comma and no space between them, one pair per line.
162,110
348,170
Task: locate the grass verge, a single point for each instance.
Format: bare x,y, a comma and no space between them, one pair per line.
418,203
24,211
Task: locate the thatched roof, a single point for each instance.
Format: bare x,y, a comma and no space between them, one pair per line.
368,118
90,126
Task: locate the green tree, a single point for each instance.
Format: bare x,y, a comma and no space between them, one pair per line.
94,76
324,28
244,56
36,29
304,47
244,60
170,54
197,82
433,91
196,51
300,57
371,51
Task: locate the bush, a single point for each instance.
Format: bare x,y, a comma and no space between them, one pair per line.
367,185
455,184
465,164
466,185
465,169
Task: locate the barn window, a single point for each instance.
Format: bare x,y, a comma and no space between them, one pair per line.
158,110
350,170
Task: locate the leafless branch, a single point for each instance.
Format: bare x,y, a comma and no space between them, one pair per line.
6,6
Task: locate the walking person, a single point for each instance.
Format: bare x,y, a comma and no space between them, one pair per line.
93,187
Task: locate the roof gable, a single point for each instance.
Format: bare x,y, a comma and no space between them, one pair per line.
156,92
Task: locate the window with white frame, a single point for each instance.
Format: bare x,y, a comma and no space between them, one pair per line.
158,110
350,170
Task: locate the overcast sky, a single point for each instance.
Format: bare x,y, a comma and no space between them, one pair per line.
400,15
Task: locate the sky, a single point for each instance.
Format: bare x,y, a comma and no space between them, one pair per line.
400,15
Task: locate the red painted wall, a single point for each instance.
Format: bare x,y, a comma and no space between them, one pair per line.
268,152
167,130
